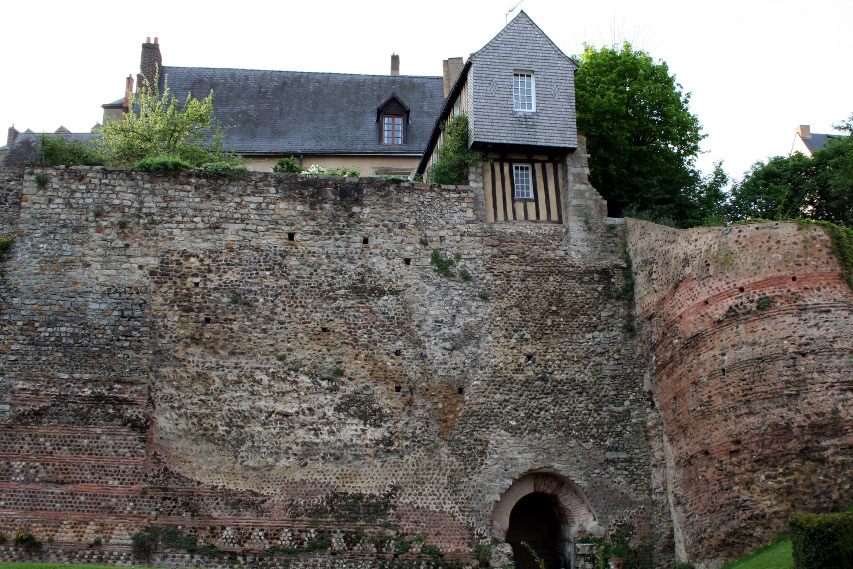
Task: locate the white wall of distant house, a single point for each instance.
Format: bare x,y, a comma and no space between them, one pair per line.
756,69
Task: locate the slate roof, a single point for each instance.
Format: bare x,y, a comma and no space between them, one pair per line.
521,45
284,112
818,141
24,150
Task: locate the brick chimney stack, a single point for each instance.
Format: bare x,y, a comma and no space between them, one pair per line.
452,67
151,62
395,64
13,134
128,90
804,131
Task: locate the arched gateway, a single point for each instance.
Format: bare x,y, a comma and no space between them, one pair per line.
546,511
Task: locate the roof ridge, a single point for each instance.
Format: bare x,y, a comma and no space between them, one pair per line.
167,67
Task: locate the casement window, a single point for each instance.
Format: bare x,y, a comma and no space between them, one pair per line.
392,129
523,91
521,179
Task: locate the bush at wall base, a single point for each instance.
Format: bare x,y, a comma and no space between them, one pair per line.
822,541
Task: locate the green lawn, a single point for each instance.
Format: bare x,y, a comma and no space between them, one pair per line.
775,556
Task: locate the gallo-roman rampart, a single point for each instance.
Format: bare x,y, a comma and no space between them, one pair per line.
273,366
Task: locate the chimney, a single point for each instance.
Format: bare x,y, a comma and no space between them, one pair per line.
804,131
128,89
149,65
452,69
13,134
395,64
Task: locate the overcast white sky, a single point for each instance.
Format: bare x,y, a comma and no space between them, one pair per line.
756,68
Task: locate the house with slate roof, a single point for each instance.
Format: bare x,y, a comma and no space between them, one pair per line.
518,94
377,123
807,142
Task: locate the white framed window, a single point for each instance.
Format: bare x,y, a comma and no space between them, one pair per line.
523,91
521,179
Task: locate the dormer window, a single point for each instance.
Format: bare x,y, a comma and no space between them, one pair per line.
392,129
523,91
393,118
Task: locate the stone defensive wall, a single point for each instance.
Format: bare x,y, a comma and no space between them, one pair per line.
270,370
749,331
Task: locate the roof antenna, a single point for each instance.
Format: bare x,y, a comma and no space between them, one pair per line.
516,5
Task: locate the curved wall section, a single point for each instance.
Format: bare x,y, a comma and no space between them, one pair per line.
749,332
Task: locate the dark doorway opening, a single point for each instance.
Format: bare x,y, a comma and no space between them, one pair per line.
534,520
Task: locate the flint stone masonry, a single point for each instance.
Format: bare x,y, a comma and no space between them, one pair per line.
749,332
265,360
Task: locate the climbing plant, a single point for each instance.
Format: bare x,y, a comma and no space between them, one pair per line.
453,156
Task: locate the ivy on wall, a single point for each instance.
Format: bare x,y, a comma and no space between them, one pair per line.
453,156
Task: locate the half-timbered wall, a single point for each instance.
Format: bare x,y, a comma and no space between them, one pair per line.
547,177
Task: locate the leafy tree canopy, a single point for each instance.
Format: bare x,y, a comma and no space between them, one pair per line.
642,137
158,126
818,187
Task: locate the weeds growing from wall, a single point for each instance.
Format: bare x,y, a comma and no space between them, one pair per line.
164,164
27,539
442,264
627,288
42,179
144,542
5,245
842,245
223,170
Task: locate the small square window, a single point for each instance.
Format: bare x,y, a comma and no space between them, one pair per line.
392,129
523,91
521,178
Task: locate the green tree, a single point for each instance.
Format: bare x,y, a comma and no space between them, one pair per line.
819,187
642,138
57,149
710,197
158,126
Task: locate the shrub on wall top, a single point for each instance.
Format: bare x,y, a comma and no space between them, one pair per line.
163,164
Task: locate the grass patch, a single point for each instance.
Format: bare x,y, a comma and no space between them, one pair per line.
777,555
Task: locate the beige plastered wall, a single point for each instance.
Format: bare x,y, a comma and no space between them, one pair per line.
367,165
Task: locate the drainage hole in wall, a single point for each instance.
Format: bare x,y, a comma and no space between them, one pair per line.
207,319
365,241
461,391
291,236
794,279
323,329
530,359
407,260
398,353
398,388
741,289
196,284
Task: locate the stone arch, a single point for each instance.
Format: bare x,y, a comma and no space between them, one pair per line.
572,508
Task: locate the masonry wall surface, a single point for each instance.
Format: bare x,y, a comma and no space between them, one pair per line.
749,331
259,362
